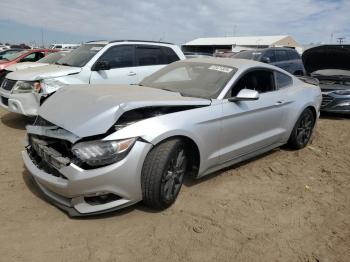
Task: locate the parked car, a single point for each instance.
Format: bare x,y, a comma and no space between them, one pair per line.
32,55
108,147
47,60
115,62
330,64
190,55
64,46
4,54
285,58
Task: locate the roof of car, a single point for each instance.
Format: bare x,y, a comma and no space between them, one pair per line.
105,42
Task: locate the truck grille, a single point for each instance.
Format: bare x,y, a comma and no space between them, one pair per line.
326,100
8,84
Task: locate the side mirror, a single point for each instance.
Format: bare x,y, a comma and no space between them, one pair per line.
101,65
266,60
245,95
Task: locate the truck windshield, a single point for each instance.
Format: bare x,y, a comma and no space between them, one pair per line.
80,56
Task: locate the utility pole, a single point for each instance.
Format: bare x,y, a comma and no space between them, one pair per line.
42,38
340,40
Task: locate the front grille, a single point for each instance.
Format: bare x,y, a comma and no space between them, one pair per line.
3,74
49,154
5,101
326,100
8,84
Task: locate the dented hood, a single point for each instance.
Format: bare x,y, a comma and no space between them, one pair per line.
326,57
24,65
87,110
43,72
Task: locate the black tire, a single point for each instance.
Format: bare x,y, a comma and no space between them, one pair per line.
302,130
162,177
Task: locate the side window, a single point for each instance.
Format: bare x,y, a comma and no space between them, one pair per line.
39,55
119,56
294,55
271,55
149,55
169,55
29,58
259,80
283,80
282,55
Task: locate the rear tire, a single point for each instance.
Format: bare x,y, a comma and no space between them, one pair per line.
163,173
302,130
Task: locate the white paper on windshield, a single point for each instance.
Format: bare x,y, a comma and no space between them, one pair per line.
96,48
220,68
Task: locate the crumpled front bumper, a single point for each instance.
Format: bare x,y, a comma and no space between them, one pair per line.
69,192
25,104
333,103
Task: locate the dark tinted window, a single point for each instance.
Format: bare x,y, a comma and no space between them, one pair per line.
169,55
270,54
148,55
282,55
283,80
293,55
251,55
119,56
258,80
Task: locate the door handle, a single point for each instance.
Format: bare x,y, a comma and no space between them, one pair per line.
132,74
278,103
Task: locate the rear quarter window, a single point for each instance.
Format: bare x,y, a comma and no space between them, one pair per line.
283,80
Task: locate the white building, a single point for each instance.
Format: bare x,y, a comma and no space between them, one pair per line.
236,44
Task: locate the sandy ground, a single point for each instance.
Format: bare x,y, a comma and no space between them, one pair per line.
283,206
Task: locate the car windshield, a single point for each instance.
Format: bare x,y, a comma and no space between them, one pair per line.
204,80
251,55
14,56
52,58
5,54
80,56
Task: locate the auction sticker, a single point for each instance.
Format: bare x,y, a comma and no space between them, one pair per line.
220,68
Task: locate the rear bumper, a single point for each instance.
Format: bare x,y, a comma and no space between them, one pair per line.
70,192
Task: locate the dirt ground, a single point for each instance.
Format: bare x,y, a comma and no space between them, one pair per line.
283,206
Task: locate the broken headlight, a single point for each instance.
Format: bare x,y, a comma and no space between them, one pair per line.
99,153
26,87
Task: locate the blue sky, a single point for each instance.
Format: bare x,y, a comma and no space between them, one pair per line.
176,21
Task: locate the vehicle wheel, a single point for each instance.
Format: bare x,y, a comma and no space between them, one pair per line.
163,173
302,130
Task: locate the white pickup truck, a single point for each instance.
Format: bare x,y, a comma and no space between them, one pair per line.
98,62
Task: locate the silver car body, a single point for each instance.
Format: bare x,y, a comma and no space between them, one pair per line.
223,132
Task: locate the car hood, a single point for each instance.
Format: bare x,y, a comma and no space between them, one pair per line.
24,65
88,110
43,72
326,57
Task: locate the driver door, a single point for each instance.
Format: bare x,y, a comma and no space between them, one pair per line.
252,125
121,60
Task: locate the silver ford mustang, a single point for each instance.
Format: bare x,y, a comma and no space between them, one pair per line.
96,149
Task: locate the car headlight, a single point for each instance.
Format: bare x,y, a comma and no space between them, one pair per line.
342,92
99,153
51,85
26,87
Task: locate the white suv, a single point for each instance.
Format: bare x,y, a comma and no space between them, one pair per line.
99,62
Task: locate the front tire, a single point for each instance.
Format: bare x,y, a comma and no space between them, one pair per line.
302,130
163,173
